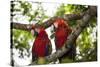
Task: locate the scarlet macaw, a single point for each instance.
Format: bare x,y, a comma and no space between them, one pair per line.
42,46
62,31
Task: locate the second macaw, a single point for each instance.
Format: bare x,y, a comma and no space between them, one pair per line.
62,31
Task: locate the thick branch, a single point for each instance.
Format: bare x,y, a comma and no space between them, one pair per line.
47,23
20,26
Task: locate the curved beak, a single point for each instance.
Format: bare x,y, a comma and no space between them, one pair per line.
56,25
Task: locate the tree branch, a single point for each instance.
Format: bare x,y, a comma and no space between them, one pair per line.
47,23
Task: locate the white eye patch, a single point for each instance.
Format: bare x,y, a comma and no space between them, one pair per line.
56,25
32,31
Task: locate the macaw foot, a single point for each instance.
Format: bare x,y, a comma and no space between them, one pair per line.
41,60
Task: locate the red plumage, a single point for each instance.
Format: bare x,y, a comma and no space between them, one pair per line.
41,44
61,33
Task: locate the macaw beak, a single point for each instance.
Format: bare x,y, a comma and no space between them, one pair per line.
37,30
56,25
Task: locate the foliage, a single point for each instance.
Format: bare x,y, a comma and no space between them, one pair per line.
70,9
87,45
20,42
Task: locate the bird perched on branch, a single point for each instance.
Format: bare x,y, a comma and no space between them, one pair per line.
42,46
62,31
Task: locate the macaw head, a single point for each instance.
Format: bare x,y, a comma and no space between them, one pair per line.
36,30
59,22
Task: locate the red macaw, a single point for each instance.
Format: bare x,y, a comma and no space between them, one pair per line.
42,46
62,31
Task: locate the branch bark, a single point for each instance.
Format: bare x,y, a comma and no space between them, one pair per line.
47,23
